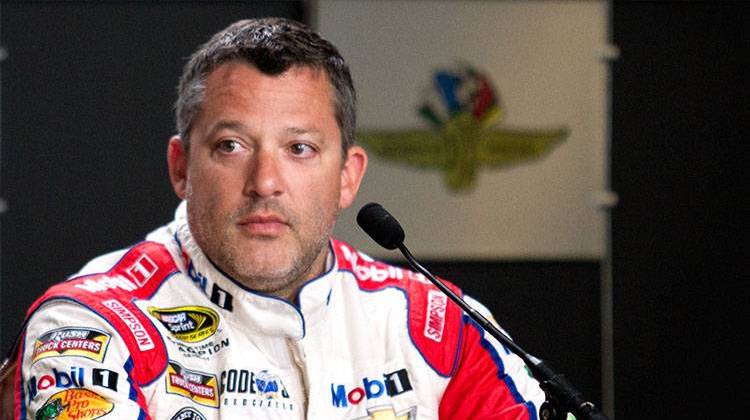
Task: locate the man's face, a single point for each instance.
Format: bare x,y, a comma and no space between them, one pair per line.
264,176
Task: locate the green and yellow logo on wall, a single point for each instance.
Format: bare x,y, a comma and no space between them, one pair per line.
464,113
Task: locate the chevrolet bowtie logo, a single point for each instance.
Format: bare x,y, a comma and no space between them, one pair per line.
463,109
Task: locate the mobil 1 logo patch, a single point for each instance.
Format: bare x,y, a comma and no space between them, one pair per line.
75,377
388,384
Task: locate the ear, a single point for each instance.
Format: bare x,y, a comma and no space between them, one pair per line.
177,164
351,175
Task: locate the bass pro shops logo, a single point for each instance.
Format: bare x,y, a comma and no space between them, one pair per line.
394,383
79,404
85,342
188,323
197,386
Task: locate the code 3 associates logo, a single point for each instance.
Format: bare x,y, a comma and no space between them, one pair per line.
394,383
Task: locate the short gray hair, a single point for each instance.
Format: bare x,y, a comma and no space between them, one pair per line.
272,45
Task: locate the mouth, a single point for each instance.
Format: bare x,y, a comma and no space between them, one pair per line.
266,224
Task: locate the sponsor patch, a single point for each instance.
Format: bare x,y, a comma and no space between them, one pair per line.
436,304
76,377
142,337
197,386
79,404
188,413
218,296
260,389
221,297
188,323
392,384
73,341
269,385
135,276
204,351
142,270
390,414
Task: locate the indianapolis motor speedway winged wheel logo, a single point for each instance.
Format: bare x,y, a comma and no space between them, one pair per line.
463,110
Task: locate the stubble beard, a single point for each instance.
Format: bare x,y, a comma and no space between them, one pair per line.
222,242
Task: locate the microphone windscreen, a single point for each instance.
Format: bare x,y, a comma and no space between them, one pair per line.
380,225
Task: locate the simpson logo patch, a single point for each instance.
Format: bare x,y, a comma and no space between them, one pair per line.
188,323
197,386
436,304
77,341
141,336
79,404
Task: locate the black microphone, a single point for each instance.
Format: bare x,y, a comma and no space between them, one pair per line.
561,396
380,225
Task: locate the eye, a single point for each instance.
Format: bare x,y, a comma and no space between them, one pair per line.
302,149
228,146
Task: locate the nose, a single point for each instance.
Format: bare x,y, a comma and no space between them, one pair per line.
264,175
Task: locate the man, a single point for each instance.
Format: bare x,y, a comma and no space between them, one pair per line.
244,306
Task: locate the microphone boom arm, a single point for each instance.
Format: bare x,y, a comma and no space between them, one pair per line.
562,397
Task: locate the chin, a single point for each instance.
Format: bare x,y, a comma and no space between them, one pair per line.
260,272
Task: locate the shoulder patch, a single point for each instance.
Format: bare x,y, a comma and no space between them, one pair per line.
71,341
188,413
137,275
434,320
75,403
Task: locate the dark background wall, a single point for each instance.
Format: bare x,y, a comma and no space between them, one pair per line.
87,92
87,95
680,128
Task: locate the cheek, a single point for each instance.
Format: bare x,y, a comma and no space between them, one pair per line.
205,180
332,187
318,195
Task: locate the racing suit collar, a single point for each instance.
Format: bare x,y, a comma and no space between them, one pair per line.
259,313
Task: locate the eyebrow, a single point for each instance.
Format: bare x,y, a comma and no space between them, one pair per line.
228,125
301,131
239,127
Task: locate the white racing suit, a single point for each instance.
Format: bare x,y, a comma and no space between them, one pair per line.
158,331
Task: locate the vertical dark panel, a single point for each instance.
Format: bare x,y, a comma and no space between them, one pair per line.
680,124
87,111
550,309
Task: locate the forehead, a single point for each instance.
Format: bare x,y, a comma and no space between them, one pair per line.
301,96
242,77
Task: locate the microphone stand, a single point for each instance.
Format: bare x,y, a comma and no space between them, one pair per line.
562,397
